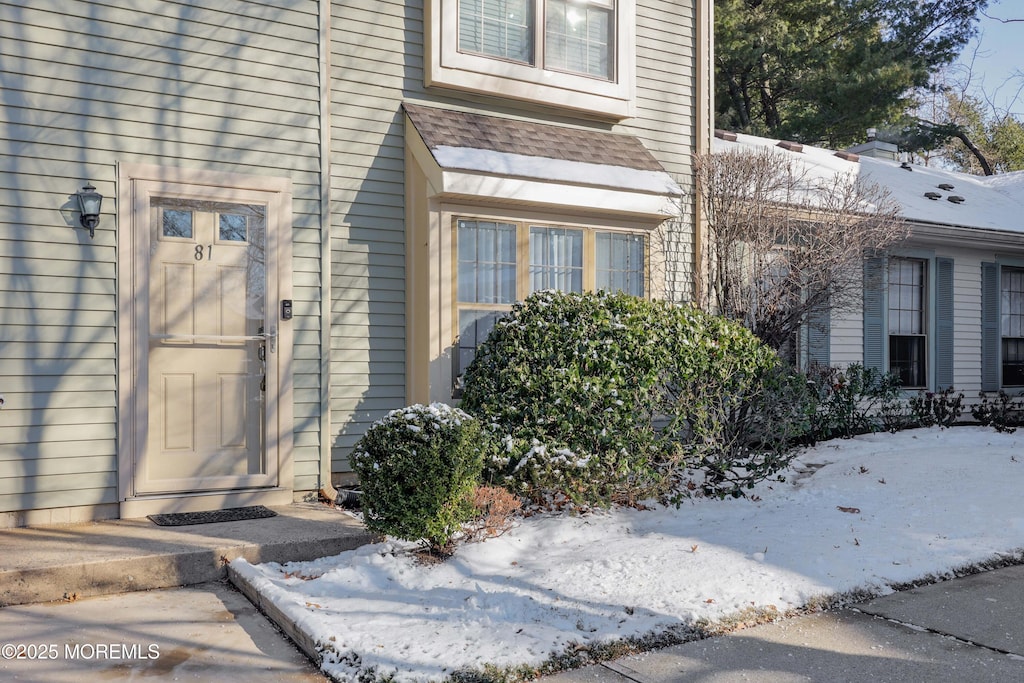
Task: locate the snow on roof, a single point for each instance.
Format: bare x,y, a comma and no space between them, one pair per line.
556,170
954,199
480,143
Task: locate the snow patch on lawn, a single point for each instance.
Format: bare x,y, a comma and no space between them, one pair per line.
860,514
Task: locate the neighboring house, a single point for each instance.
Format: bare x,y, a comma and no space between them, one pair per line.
946,307
311,213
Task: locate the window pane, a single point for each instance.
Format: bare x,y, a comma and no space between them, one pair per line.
474,326
1013,362
907,360
177,223
1011,302
233,227
487,262
556,259
497,28
578,38
619,263
906,296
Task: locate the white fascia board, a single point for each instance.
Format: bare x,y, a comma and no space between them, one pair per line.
648,206
559,170
965,236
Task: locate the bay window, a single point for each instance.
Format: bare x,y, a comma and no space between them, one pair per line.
499,263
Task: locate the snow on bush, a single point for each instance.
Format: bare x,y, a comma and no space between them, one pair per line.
418,468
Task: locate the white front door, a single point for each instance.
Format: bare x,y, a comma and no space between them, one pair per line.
207,347
205,365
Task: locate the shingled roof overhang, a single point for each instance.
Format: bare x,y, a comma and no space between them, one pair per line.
488,158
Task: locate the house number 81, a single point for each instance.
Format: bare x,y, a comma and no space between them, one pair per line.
202,253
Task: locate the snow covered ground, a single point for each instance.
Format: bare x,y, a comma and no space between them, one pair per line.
881,509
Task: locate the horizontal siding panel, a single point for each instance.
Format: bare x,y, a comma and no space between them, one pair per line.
55,351
58,301
84,448
33,500
370,337
55,433
151,89
51,467
14,316
192,30
356,363
58,482
46,334
60,367
45,284
60,251
246,151
46,383
57,400
11,416
202,127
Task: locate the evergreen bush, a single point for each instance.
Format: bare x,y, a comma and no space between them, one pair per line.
604,398
418,468
568,383
1001,412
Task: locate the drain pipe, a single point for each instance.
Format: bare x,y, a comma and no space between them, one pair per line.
327,489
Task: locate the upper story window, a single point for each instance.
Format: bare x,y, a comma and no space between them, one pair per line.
497,28
578,37
577,54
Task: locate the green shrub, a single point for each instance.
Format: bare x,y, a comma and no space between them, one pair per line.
735,410
855,400
928,408
1001,412
418,468
604,398
569,384
750,433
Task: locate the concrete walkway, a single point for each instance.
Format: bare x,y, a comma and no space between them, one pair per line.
76,561
208,632
165,611
968,629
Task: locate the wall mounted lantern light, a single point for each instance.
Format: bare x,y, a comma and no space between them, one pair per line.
89,202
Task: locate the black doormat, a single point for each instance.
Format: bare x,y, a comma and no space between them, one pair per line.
229,515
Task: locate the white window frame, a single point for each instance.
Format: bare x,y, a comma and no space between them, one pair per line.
926,304
448,67
1006,316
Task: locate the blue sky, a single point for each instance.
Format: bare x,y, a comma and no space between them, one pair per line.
1000,55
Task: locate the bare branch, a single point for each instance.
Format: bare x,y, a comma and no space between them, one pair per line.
784,241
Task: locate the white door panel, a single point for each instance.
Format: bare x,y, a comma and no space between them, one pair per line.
206,355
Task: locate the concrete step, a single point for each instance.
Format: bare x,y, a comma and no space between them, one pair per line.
44,564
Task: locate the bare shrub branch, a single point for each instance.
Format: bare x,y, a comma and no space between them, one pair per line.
785,241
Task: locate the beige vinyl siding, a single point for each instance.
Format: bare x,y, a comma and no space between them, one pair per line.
377,63
212,84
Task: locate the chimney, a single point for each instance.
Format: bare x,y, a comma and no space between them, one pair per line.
875,147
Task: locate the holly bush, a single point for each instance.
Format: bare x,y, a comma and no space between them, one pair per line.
602,398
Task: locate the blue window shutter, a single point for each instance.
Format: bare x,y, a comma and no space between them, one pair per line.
874,313
990,327
944,323
819,336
